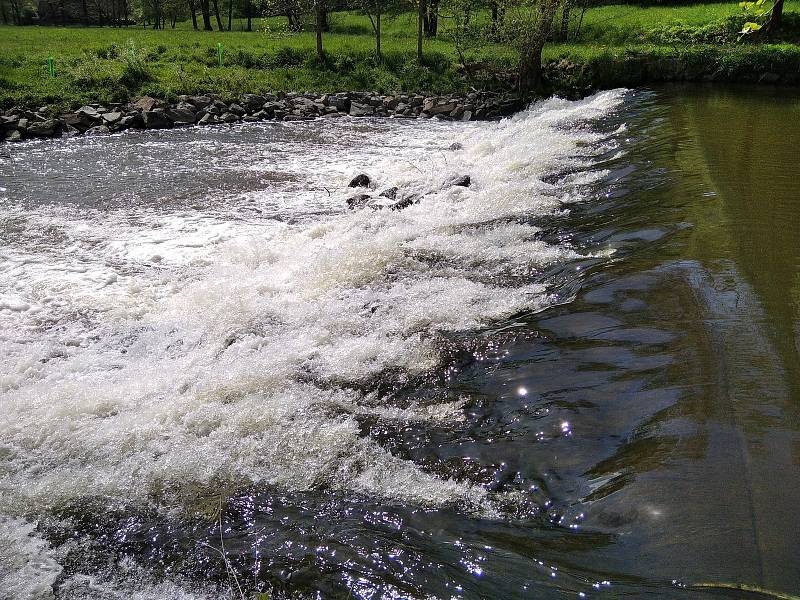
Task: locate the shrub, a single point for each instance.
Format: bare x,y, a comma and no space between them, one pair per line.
135,71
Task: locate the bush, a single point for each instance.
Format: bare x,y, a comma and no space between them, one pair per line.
135,71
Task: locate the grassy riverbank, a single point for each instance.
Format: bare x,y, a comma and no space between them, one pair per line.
616,45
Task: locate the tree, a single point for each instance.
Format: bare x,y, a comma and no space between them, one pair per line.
420,19
320,23
215,3
205,9
527,26
375,11
193,11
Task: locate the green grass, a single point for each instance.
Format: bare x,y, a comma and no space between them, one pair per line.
109,65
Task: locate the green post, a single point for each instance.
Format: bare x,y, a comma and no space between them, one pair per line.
51,66
219,53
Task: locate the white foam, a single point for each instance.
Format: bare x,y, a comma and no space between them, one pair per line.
28,568
170,350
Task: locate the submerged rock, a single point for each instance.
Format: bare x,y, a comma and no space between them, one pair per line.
361,180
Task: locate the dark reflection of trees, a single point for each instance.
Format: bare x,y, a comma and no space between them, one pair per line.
750,143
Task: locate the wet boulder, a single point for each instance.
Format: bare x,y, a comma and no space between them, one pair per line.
156,120
404,202
460,181
390,193
456,146
358,201
361,180
98,130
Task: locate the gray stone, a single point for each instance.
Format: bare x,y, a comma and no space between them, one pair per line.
180,116
229,117
456,146
146,104
441,109
89,112
252,102
47,128
98,130
13,136
134,120
238,110
112,117
156,120
207,119
361,110
467,116
200,101
340,103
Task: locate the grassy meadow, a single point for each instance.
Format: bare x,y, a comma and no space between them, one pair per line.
108,65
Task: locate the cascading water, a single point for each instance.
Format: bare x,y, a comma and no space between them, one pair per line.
493,392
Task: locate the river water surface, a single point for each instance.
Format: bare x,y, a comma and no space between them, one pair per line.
578,377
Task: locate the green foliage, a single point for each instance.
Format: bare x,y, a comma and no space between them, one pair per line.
617,45
135,71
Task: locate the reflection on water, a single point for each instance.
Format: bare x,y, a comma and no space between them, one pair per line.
579,378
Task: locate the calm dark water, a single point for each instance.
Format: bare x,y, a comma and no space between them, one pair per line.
628,429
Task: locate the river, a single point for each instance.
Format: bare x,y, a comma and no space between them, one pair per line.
577,378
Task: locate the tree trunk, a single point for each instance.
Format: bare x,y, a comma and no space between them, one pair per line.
3,12
215,4
249,15
204,8
775,19
420,22
494,18
530,63
433,17
565,10
378,32
193,11
230,14
319,16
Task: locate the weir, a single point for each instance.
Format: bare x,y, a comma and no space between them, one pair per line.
565,379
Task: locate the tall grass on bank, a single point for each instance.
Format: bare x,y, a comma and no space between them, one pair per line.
113,65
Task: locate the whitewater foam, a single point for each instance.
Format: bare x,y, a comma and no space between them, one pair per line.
146,351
